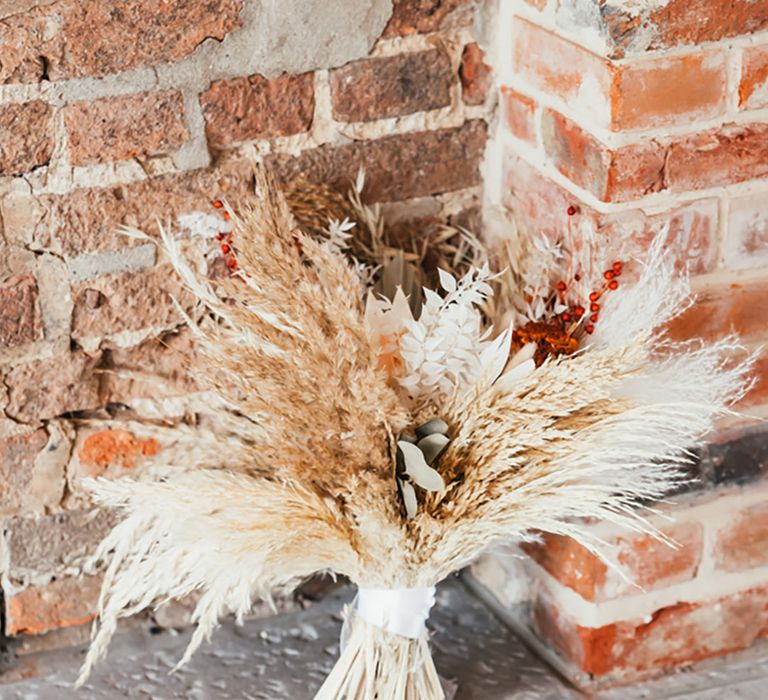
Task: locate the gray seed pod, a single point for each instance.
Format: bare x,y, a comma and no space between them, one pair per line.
436,425
432,446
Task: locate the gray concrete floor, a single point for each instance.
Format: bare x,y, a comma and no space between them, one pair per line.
286,658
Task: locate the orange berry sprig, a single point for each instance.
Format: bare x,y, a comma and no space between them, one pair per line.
225,240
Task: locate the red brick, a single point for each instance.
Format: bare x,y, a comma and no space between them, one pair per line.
71,38
398,167
48,388
649,563
563,69
753,86
62,603
157,368
758,394
20,319
612,176
258,108
719,156
721,310
27,140
130,301
519,114
423,16
88,219
114,447
116,128
476,75
17,462
743,543
392,86
676,635
747,237
696,21
669,90
679,22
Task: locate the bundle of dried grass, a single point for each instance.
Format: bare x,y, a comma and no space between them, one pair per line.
355,437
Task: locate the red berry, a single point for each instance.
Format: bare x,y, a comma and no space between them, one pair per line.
566,317
577,278
571,210
561,287
221,236
617,267
594,296
232,264
218,204
594,307
593,318
589,328
226,216
613,284
609,274
225,248
579,311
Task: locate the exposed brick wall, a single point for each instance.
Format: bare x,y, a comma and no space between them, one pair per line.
635,117
128,112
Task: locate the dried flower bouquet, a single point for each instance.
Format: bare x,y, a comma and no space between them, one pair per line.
355,436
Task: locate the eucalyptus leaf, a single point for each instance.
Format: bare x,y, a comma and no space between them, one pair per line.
417,468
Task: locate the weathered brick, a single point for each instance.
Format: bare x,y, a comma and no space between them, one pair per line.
48,388
736,457
540,205
753,85
88,219
258,108
119,448
735,308
391,86
678,22
611,175
397,167
20,319
476,75
519,114
423,16
70,38
676,635
116,128
669,90
709,159
563,69
130,301
27,140
17,463
743,543
157,368
61,603
649,563
747,238
51,543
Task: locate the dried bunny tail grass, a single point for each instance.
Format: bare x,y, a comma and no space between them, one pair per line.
228,535
378,664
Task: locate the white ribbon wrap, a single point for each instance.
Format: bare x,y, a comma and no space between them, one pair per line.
402,611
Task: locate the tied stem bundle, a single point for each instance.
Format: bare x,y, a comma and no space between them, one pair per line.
348,430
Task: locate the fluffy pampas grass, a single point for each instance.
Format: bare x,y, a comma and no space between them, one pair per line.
319,385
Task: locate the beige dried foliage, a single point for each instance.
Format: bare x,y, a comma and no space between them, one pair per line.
293,473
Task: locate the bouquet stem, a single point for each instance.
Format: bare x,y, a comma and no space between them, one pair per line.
376,664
